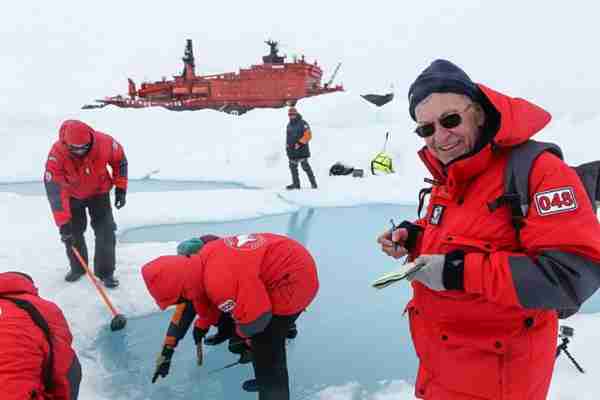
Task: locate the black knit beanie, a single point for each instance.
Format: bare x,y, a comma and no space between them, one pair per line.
441,77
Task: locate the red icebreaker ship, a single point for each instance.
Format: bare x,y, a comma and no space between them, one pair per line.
272,84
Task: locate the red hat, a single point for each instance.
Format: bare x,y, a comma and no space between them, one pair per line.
74,132
292,111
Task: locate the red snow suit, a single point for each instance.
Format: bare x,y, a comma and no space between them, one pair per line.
251,276
24,348
68,176
497,338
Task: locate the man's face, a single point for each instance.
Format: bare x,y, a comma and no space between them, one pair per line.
79,151
447,144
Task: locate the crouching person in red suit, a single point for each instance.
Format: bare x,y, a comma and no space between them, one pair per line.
77,177
263,280
37,360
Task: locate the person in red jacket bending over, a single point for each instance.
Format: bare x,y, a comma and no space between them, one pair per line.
77,178
37,360
486,301
263,280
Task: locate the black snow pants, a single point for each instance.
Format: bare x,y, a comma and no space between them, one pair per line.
104,227
270,361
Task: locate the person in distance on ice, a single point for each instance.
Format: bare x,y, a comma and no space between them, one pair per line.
77,179
37,360
486,302
298,135
263,280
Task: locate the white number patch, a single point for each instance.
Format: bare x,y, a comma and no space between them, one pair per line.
249,242
227,305
555,201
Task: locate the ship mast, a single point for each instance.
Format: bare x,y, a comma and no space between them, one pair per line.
188,62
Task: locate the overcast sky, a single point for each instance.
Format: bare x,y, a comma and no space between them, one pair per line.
59,55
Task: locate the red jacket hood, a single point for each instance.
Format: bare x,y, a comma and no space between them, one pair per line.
519,121
73,124
165,278
13,282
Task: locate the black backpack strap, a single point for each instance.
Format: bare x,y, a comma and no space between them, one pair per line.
516,180
40,321
589,173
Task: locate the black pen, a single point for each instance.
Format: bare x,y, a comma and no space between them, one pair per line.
393,229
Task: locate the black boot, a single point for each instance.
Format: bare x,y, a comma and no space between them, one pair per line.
295,177
250,385
110,282
309,172
73,276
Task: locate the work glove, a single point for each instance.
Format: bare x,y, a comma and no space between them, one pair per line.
163,363
440,272
399,240
246,357
120,198
66,234
237,345
198,335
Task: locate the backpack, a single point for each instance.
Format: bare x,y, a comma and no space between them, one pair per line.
516,180
340,169
382,163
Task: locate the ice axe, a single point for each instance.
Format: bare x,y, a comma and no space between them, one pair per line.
245,358
119,321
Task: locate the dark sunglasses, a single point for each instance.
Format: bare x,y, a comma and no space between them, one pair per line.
79,149
448,121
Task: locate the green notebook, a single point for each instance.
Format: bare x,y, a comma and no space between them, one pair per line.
397,275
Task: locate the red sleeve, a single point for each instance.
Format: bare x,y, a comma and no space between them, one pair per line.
561,246
233,285
306,135
253,310
57,189
208,313
118,163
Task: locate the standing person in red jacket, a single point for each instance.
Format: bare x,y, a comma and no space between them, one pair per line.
77,178
36,357
486,301
263,280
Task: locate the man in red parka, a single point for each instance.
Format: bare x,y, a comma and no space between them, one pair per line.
36,357
77,178
263,280
486,301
